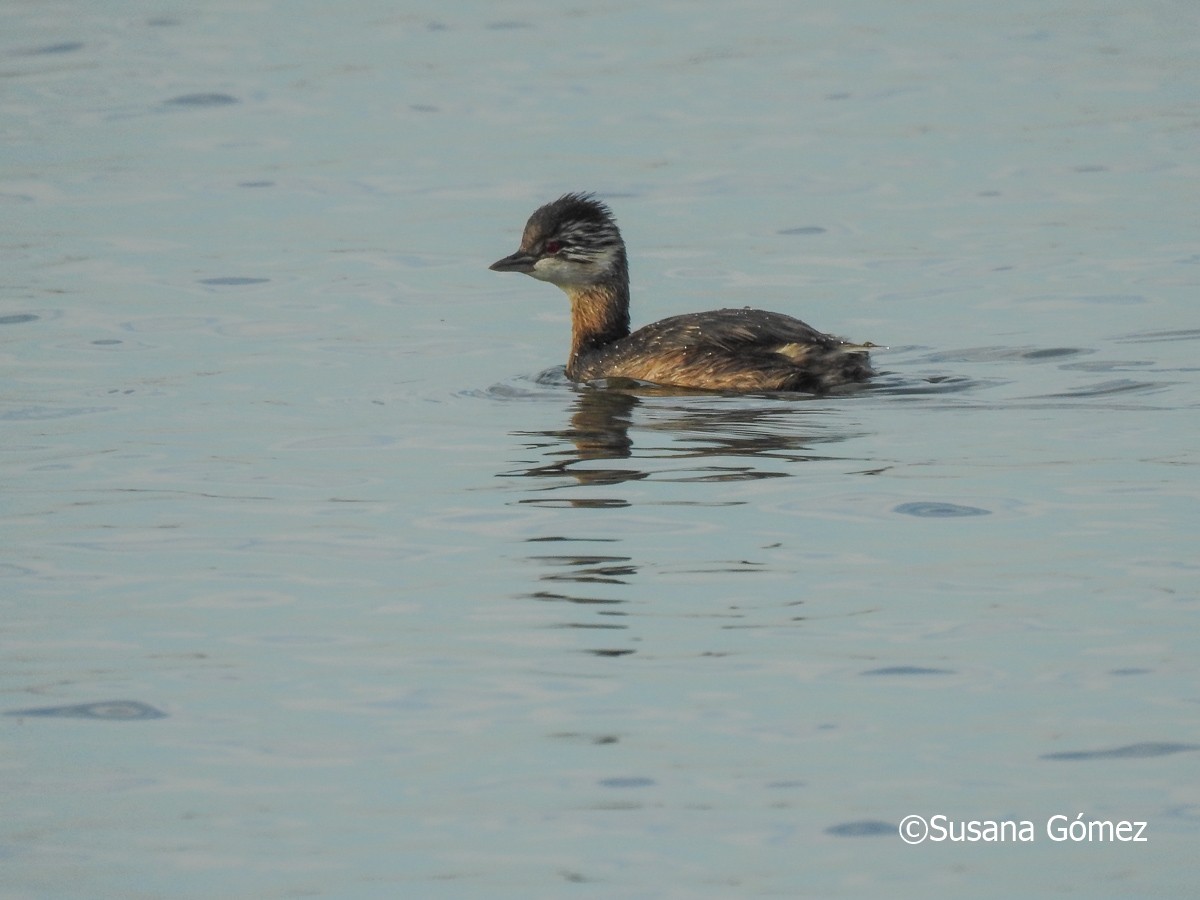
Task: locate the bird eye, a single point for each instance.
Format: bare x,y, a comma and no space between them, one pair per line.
550,248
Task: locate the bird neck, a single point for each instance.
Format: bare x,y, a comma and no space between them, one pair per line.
599,316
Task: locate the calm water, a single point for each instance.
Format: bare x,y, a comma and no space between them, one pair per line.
320,581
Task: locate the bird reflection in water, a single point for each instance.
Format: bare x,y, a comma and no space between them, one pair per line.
599,430
726,427
680,438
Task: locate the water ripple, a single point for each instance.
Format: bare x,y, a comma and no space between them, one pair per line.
931,510
111,710
1147,750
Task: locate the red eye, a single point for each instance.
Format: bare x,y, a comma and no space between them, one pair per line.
551,248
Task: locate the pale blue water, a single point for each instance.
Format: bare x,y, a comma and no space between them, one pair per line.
315,585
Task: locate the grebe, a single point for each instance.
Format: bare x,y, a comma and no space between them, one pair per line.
574,243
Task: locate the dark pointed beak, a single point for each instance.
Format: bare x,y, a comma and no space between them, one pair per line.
518,262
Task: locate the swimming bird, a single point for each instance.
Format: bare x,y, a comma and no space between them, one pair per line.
574,242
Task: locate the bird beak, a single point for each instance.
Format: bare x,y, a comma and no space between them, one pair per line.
518,262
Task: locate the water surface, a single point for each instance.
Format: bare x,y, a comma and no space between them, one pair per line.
320,580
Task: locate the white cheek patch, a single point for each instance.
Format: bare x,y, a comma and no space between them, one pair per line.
605,259
566,272
551,269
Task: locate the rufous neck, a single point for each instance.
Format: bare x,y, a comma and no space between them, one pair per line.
599,316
